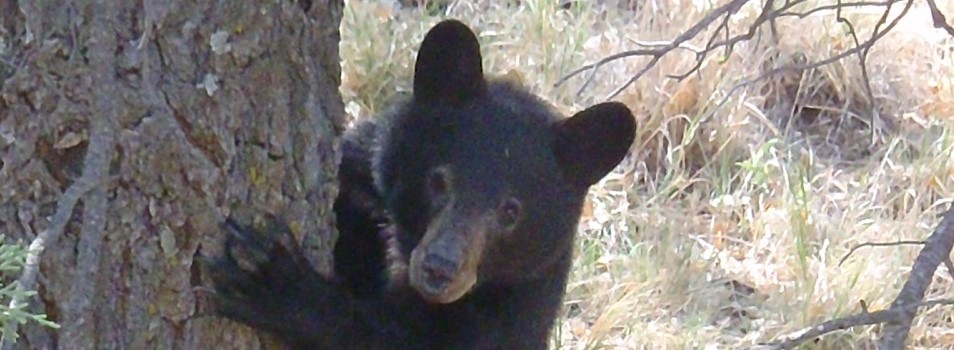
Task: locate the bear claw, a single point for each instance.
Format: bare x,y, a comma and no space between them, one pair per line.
255,271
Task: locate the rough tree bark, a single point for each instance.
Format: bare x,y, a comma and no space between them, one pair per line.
161,118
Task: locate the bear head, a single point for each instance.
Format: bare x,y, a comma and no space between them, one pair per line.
486,181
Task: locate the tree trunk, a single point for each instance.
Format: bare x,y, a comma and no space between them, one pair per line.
157,119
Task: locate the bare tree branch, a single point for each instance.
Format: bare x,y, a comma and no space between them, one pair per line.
861,319
786,10
769,14
98,155
837,6
940,21
876,244
948,263
898,316
801,67
937,249
727,9
103,122
48,237
863,53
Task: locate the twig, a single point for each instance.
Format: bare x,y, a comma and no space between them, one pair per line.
596,66
659,44
839,5
863,53
940,21
876,244
769,14
729,42
692,32
800,67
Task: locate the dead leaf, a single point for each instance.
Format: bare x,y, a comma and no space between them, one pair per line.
69,140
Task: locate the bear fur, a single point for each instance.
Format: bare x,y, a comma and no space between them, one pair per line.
476,186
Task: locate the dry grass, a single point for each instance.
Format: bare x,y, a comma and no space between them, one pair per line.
726,226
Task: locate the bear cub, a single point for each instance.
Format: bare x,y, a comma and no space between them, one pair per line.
477,184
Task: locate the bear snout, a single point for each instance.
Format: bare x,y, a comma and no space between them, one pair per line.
439,272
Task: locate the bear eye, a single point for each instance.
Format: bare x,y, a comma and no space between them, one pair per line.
437,182
510,212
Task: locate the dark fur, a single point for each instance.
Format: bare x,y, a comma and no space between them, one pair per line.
502,145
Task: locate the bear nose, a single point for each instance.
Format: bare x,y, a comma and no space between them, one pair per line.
438,272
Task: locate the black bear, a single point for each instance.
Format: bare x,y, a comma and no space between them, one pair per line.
479,184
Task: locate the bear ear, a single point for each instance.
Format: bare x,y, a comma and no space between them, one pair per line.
592,142
448,68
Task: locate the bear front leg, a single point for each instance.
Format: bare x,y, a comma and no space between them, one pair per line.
264,281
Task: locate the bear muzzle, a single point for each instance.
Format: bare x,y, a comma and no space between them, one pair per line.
443,266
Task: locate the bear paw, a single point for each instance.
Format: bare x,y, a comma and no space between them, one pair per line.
261,274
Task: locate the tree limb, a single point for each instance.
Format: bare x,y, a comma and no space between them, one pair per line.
876,244
937,249
861,319
898,316
940,21
692,32
98,155
48,237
